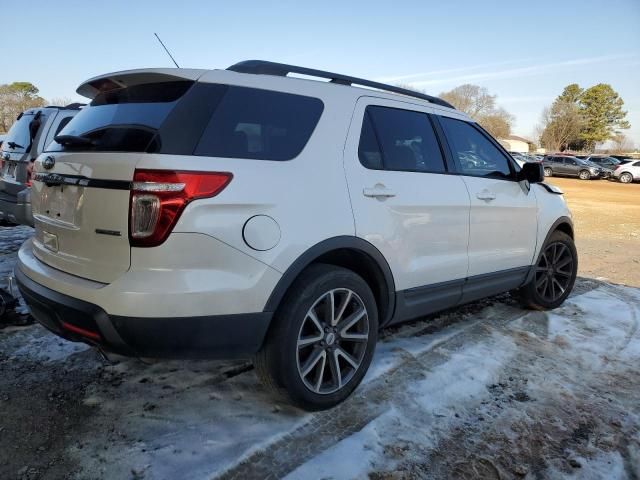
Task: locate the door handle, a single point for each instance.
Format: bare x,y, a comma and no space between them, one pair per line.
486,195
379,191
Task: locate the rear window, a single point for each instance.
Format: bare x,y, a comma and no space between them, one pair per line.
259,124
18,138
125,119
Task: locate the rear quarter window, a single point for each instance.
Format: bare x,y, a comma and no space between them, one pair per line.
259,124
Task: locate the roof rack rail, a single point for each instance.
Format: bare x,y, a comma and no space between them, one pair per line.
281,69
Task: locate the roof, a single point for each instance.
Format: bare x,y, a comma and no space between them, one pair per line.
516,137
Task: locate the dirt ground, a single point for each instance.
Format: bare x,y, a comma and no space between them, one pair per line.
607,224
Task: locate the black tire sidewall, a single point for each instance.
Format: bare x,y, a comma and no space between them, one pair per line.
310,288
533,296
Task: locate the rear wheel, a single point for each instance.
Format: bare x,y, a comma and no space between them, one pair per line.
626,177
584,175
555,273
322,340
548,172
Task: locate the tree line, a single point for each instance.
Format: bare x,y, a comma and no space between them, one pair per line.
577,120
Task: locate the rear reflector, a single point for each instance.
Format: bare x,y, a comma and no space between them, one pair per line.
81,331
158,197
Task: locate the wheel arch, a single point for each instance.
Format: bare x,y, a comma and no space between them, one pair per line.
563,224
349,252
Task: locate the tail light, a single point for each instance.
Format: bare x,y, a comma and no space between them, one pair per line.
158,198
618,166
29,173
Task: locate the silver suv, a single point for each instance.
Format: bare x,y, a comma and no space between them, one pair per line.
32,131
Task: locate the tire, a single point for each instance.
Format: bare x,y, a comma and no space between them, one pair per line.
626,177
548,172
536,293
288,369
584,175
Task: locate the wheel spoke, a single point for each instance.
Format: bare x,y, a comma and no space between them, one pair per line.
343,307
312,362
350,360
306,341
332,309
558,255
351,320
354,337
564,261
321,371
314,318
334,365
543,281
556,282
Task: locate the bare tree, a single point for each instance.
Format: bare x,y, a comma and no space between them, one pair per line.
480,105
61,101
621,144
559,125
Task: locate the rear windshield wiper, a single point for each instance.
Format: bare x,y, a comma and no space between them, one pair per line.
73,140
14,145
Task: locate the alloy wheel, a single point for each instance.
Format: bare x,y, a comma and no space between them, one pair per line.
584,175
332,341
554,271
626,178
548,172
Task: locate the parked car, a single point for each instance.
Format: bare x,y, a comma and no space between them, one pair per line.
235,220
627,172
565,165
26,139
623,158
520,158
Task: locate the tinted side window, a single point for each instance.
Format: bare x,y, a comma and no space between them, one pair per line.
637,164
396,139
475,154
369,148
260,124
62,124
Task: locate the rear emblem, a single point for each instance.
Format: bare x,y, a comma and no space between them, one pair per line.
50,241
49,162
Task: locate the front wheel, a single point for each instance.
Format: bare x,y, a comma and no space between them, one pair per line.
555,274
584,175
548,172
626,177
322,340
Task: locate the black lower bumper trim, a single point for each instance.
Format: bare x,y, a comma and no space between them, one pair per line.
215,336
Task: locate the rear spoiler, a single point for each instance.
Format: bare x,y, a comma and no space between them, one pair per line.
127,78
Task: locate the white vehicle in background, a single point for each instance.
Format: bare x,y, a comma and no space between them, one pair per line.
628,172
242,212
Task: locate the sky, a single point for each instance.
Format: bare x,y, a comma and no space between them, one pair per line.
523,52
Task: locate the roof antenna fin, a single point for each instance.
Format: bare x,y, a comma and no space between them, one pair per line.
167,50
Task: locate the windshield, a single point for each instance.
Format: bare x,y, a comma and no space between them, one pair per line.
18,139
125,119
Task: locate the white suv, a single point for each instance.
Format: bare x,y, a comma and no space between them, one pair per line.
242,212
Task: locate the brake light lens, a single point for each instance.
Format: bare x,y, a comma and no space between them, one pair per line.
158,198
29,173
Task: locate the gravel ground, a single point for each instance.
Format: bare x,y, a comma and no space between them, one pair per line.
607,223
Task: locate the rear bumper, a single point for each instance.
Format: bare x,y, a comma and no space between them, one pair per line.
16,209
216,336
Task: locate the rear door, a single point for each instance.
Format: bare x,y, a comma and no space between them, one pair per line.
503,219
405,202
81,186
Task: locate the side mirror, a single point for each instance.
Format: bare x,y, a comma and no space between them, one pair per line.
531,171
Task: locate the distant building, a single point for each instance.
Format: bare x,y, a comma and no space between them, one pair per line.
514,143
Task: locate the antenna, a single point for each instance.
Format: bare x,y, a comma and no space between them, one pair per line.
167,50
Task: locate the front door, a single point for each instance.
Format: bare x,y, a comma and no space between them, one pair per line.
406,203
503,219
